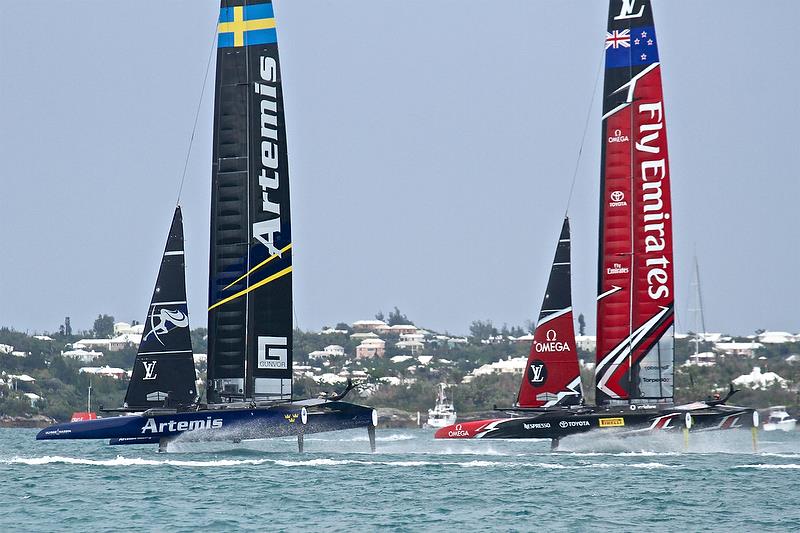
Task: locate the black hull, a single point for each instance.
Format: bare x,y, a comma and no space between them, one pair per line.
622,421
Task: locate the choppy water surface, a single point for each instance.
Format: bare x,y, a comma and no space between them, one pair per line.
412,483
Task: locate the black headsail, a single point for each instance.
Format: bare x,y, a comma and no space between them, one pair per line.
164,367
250,285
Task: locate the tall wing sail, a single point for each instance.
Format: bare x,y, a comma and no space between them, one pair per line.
250,285
635,281
553,376
164,366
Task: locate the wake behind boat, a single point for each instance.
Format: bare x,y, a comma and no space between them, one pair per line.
636,298
250,322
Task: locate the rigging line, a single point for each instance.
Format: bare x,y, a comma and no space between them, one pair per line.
197,112
585,130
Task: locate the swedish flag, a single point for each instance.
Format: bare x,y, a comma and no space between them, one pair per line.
246,25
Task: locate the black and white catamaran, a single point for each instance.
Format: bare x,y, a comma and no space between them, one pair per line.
635,300
250,319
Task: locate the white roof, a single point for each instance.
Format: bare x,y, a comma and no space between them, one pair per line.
776,337
369,335
23,377
405,326
79,352
369,323
409,344
424,359
43,337
400,358
738,345
101,370
32,396
94,342
373,342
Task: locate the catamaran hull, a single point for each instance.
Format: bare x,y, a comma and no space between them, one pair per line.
622,422
218,424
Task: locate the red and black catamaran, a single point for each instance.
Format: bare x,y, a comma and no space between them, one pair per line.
636,298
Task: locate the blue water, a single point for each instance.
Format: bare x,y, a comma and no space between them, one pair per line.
413,483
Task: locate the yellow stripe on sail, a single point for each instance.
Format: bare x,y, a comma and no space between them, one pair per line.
264,281
261,264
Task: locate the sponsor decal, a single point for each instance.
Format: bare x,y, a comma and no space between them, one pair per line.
617,199
291,417
272,353
628,10
268,179
612,422
149,370
656,380
537,425
617,269
551,344
573,423
618,136
459,431
634,406
184,425
537,373
165,321
58,432
653,173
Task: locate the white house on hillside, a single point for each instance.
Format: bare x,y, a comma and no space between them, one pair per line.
760,380
370,348
84,356
744,349
776,337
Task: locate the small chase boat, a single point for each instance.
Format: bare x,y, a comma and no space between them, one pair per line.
443,413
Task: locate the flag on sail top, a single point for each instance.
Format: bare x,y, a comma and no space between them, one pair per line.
631,47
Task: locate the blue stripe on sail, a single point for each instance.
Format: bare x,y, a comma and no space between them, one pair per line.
225,40
258,11
260,37
254,12
226,14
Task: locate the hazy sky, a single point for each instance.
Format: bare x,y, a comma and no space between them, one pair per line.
431,146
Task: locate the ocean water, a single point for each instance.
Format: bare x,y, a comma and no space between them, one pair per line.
412,483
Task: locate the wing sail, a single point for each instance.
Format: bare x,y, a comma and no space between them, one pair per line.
250,285
635,279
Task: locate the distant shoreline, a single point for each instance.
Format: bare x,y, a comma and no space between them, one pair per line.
37,421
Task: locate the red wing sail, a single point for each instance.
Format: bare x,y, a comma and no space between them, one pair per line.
635,280
552,376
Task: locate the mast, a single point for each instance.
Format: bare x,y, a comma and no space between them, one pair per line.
164,366
697,309
635,308
250,282
552,375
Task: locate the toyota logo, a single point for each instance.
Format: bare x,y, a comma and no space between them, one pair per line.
617,196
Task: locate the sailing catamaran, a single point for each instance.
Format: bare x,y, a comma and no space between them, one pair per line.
250,316
635,303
